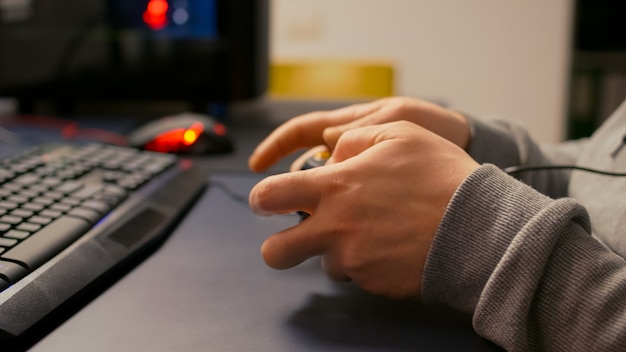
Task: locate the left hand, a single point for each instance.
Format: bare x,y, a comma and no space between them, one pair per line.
325,127
374,207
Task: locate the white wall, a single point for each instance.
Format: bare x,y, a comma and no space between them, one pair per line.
479,56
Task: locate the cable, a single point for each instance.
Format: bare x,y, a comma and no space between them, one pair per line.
242,199
238,198
519,169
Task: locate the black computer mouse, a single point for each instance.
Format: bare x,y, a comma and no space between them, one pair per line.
184,133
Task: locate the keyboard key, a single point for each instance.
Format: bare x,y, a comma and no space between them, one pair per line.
69,187
24,213
28,193
33,206
112,164
47,242
7,242
11,271
20,235
6,174
51,181
87,191
8,205
43,200
14,187
66,175
26,180
101,207
39,188
11,219
51,213
86,214
61,207
53,195
27,226
128,183
71,201
41,220
17,199
115,190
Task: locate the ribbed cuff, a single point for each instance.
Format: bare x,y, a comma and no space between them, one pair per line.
492,143
484,216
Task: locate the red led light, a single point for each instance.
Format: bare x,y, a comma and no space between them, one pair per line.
192,133
155,15
189,137
176,140
157,7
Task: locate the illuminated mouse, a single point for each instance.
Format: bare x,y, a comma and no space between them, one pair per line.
185,133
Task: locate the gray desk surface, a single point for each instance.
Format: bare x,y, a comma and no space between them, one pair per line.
207,289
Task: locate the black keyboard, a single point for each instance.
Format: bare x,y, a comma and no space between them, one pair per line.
69,214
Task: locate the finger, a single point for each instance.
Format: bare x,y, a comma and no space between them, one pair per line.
299,132
293,246
331,134
285,193
356,141
302,132
373,117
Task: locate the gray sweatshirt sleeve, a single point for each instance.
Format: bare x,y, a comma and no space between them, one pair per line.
505,144
527,269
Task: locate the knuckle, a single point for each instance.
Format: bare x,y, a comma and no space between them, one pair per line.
400,104
337,184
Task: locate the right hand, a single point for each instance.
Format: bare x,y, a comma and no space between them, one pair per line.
374,208
323,128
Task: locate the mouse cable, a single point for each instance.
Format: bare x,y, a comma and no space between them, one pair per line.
238,198
520,169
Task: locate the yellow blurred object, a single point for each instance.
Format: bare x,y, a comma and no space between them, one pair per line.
331,79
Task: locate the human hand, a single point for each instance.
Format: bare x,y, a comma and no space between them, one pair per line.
374,207
323,128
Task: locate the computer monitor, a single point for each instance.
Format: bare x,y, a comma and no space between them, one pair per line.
599,26
201,51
